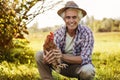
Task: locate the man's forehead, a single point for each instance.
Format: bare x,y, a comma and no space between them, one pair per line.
71,13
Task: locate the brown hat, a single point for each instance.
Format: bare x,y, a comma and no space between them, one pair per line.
71,4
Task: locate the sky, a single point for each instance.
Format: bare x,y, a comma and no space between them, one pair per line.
98,8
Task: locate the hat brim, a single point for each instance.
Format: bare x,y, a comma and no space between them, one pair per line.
60,11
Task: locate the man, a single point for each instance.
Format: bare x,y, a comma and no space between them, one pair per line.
75,44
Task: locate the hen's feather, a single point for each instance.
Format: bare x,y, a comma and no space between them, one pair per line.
50,45
49,42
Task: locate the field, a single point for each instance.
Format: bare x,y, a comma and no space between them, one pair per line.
106,58
106,54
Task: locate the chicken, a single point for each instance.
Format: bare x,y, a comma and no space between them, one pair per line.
50,45
49,42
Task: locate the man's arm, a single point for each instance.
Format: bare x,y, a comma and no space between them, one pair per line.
69,58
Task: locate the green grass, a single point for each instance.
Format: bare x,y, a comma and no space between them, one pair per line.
107,42
106,58
37,40
106,54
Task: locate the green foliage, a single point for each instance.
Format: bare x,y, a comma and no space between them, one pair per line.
20,54
13,16
107,66
104,25
34,28
7,28
106,58
10,71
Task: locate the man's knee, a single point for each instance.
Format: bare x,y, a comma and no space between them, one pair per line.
87,72
38,56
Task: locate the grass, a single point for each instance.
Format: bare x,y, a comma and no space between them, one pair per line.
105,54
107,42
106,59
37,40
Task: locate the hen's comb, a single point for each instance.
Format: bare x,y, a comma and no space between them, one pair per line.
51,36
51,33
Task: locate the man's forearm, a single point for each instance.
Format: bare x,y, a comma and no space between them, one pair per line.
71,59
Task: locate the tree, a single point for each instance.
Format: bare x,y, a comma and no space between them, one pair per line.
116,25
15,15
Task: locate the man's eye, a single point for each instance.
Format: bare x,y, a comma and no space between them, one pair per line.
67,17
74,17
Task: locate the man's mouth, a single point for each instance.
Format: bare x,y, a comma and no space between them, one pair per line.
71,24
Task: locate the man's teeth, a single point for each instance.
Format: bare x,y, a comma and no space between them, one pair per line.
71,24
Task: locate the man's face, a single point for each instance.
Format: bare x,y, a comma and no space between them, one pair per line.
71,19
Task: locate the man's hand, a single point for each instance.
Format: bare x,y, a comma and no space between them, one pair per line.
49,57
52,55
57,53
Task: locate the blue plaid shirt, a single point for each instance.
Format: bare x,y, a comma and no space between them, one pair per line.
83,42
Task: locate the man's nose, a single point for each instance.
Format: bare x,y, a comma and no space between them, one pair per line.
71,19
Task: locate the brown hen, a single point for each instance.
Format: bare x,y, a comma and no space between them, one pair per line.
50,45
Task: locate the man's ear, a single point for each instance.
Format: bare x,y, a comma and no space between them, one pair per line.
79,19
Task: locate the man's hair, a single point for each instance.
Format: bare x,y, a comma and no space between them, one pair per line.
80,15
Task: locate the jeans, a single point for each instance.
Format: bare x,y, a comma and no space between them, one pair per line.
85,72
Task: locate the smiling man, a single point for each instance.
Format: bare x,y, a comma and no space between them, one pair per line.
74,46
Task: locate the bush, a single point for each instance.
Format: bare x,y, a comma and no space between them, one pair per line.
21,53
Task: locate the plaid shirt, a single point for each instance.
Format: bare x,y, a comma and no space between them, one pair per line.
83,42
